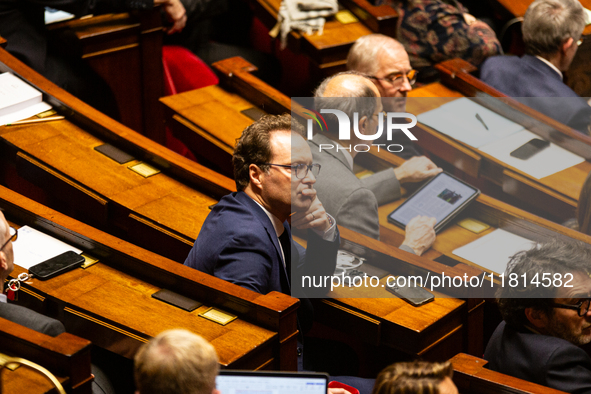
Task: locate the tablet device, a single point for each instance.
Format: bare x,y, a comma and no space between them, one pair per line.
443,197
257,382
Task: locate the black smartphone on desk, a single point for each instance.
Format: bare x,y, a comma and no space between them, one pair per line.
415,295
56,265
530,148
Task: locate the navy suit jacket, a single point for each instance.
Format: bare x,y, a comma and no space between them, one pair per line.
541,359
528,76
238,243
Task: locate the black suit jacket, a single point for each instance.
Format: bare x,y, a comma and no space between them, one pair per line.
541,359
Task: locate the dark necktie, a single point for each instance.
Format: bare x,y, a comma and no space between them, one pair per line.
285,241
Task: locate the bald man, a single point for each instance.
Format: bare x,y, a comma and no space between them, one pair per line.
354,202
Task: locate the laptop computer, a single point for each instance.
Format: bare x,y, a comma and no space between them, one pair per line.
265,382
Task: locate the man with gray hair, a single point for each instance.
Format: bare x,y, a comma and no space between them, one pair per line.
544,302
552,32
176,361
385,61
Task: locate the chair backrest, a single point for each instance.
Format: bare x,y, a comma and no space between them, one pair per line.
184,71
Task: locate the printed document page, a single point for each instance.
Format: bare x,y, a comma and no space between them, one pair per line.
544,163
33,247
469,122
494,250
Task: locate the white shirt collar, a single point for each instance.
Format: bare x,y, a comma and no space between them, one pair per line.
552,66
277,224
345,152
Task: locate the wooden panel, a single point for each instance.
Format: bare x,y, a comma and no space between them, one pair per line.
66,356
472,377
126,51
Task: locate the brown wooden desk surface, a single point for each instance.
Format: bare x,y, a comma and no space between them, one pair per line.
564,185
25,380
68,148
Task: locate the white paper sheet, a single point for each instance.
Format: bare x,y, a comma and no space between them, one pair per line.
547,162
458,120
24,113
493,251
33,247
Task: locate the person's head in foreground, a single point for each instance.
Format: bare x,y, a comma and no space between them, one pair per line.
176,361
417,377
552,30
558,305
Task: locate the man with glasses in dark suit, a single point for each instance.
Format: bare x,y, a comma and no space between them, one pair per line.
545,306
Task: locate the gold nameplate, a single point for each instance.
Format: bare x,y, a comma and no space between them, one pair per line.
476,226
346,17
88,261
47,113
218,316
144,169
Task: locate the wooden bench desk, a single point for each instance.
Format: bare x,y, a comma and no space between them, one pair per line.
110,302
57,159
472,377
126,51
66,356
555,196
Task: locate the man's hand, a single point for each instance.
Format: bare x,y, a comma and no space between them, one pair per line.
175,13
416,169
420,234
315,217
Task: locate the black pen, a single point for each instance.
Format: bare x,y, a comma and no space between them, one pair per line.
481,121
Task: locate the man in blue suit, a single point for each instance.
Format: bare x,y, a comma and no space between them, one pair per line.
546,321
245,239
551,33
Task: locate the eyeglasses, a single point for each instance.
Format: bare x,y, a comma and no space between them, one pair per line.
398,79
13,237
301,170
582,307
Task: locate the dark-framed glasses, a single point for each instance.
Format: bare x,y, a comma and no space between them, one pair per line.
581,307
13,237
301,170
397,79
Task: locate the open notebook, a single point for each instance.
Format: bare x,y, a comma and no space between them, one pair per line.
263,382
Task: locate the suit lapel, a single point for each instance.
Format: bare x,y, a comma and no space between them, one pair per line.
266,222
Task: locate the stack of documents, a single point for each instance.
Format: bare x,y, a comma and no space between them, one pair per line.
481,128
18,100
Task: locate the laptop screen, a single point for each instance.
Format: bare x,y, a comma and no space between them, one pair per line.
260,382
